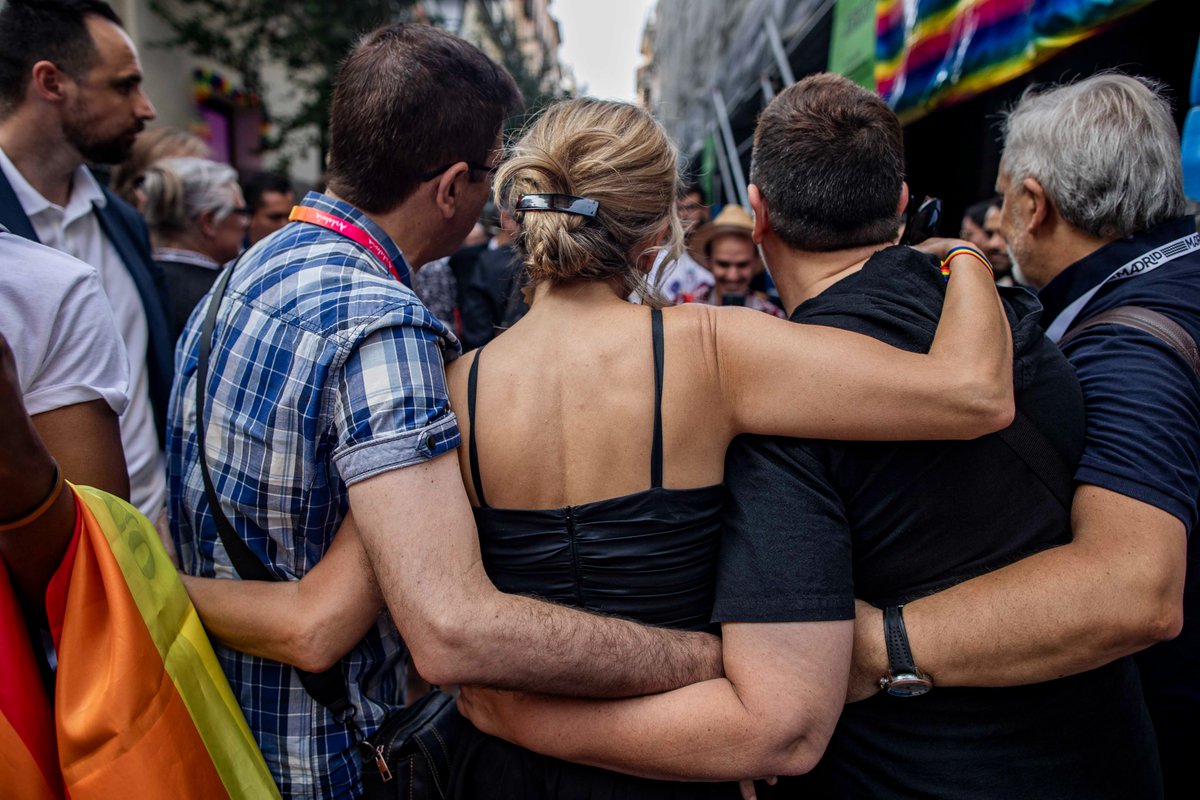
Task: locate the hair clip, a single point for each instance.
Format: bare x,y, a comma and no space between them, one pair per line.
566,203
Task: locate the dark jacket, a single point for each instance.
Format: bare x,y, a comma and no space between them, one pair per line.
492,299
125,229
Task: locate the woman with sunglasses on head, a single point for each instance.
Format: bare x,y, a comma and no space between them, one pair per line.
595,430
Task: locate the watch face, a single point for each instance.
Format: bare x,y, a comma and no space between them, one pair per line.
908,685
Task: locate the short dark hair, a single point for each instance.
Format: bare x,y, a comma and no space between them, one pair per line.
258,184
977,212
829,162
411,98
45,30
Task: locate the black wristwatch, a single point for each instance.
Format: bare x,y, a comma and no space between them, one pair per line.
903,678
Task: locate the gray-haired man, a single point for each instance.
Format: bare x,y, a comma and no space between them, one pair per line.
1094,216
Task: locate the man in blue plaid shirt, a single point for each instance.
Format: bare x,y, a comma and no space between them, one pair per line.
326,393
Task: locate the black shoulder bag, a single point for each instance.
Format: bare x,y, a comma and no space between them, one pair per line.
409,756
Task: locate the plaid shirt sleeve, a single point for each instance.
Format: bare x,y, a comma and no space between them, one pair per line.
392,409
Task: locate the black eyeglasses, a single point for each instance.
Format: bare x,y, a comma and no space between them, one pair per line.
471,167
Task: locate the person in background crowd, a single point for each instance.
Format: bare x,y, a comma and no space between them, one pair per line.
197,222
434,283
1096,227
70,92
270,199
693,211
685,280
726,247
996,247
479,235
492,299
150,146
971,228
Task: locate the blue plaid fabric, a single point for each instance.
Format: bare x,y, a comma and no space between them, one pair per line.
324,371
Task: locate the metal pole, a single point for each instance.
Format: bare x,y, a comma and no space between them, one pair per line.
726,179
767,89
781,59
735,163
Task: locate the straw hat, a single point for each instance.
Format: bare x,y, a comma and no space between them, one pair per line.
733,219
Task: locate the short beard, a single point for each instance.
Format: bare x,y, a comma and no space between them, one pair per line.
101,151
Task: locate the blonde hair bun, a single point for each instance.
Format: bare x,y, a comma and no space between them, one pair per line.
610,152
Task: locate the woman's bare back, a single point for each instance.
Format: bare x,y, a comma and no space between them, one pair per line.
565,403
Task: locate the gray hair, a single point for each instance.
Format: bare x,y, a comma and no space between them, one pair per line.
1105,149
179,190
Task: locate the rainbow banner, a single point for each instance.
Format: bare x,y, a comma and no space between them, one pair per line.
141,707
931,53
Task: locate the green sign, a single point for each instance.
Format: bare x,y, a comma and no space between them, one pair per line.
852,46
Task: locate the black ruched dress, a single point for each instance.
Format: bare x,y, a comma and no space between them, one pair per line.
648,556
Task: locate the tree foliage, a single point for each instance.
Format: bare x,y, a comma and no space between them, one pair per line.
308,38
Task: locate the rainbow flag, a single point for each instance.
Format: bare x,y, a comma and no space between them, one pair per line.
931,53
141,707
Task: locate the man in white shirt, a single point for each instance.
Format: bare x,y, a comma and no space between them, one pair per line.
71,365
70,93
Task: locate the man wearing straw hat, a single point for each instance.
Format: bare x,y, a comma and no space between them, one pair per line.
726,248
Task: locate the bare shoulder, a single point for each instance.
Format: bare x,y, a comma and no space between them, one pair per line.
690,331
716,325
456,375
690,318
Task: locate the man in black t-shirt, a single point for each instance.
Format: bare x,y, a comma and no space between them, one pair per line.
811,525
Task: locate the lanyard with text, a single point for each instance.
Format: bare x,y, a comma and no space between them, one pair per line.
1146,262
347,229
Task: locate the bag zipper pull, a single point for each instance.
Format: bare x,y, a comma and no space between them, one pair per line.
381,765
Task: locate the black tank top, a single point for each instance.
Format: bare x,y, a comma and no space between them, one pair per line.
649,556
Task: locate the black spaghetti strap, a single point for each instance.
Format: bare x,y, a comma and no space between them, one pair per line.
472,382
656,449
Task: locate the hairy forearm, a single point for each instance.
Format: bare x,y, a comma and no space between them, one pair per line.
703,732
773,715
1116,589
516,642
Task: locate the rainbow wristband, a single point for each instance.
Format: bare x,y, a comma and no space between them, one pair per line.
965,251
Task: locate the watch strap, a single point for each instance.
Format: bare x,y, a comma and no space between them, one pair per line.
900,658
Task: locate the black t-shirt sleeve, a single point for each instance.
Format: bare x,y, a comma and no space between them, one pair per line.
786,548
1143,419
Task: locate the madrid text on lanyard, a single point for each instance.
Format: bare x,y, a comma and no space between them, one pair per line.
1146,262
347,229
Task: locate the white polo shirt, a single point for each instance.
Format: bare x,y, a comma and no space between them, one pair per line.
75,229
